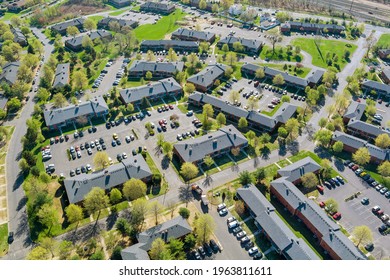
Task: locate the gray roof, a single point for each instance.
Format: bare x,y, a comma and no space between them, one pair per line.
188,34
329,230
167,44
293,247
284,113
10,72
356,143
167,67
296,170
196,149
3,101
163,7
175,228
376,86
60,115
62,26
164,86
312,77
62,74
133,167
320,26
18,36
251,44
366,127
122,22
76,42
207,76
355,110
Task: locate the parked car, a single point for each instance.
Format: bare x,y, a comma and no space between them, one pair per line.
253,250
337,216
237,229
221,206
241,234
214,246
223,212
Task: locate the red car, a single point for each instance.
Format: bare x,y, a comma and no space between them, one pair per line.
322,204
355,167
171,107
320,188
337,216
57,139
358,100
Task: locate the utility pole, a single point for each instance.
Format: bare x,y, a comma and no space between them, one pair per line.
350,9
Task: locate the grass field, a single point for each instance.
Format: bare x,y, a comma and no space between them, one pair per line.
8,16
280,54
117,13
384,41
300,72
166,24
3,239
96,18
324,47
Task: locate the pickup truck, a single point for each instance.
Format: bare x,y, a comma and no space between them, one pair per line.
197,189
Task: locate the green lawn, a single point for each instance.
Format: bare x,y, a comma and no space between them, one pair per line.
280,53
151,164
96,18
8,16
117,13
325,48
291,69
273,111
384,41
166,24
3,239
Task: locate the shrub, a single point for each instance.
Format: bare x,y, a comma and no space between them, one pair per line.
184,212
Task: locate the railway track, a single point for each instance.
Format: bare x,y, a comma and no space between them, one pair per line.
362,10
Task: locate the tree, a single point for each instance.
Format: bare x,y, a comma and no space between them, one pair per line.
114,26
274,40
382,141
43,94
79,80
234,96
221,119
189,88
239,207
237,47
176,248
13,105
370,42
362,234
309,180
115,196
384,169
229,72
278,79
38,253
189,171
167,148
282,132
202,4
148,75
204,47
96,200
361,156
214,8
338,147
160,140
292,127
47,216
323,136
155,208
208,160
139,211
100,160
49,244
123,226
184,212
326,169
87,43
313,96
331,205
245,178
231,58
242,123
322,122
134,189
159,250
225,48
64,249
252,103
74,213
204,227
172,56
72,31
208,110
285,99
150,56
89,24
260,73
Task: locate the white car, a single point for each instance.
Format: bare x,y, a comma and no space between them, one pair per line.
223,212
127,138
89,168
241,234
221,206
124,155
253,250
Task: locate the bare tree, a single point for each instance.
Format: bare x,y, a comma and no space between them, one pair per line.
370,42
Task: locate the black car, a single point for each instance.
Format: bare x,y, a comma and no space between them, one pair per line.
101,140
94,129
207,248
83,169
10,237
214,246
335,181
330,181
133,118
90,129
346,162
237,230
328,185
108,124
382,228
118,142
86,145
201,251
258,256
112,123
249,245
81,134
369,247
104,146
366,177
370,181
119,157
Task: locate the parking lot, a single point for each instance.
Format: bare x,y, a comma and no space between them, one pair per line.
245,86
354,213
137,128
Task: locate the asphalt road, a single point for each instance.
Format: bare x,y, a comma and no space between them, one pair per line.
16,199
